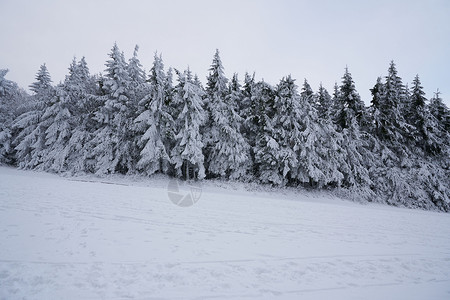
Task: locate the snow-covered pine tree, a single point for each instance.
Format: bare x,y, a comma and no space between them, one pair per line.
135,71
187,154
30,140
286,132
396,167
264,146
319,155
58,116
357,158
83,93
390,123
245,111
155,123
349,104
377,92
324,103
235,94
424,125
5,116
114,146
6,86
335,103
307,92
440,111
226,152
137,87
12,99
247,92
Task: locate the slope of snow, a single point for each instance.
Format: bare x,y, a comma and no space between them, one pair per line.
68,238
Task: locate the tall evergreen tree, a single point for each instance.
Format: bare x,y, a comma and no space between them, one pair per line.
155,123
324,103
319,153
83,95
284,140
227,152
247,92
235,94
137,86
260,132
113,143
58,117
12,99
30,140
187,154
423,122
350,105
391,124
307,92
440,111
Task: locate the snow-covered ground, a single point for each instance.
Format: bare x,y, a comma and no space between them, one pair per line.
68,238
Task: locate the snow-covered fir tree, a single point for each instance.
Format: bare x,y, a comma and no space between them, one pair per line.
58,117
324,103
114,144
12,102
307,92
284,142
82,93
226,152
389,121
260,133
357,157
424,125
440,111
319,155
245,111
349,104
235,94
5,116
137,86
155,123
187,154
30,140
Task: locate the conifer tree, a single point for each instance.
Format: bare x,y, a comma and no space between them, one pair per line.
227,152
82,93
11,100
235,94
391,124
260,132
59,120
349,104
319,155
324,103
137,86
30,141
187,154
307,91
114,145
155,123
285,135
423,122
440,111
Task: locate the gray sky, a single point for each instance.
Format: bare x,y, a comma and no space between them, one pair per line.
307,39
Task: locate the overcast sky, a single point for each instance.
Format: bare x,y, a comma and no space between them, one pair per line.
307,39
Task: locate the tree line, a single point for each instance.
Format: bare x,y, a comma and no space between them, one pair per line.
125,121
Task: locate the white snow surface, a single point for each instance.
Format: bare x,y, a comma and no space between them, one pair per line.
81,238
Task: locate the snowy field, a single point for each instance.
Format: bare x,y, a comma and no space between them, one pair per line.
68,238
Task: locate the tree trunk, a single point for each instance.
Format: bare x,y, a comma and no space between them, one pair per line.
187,170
